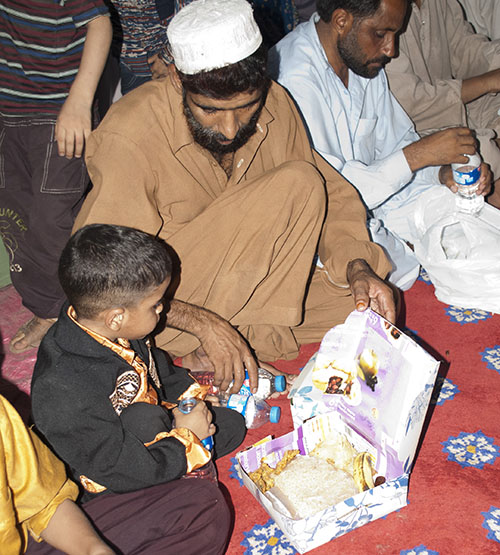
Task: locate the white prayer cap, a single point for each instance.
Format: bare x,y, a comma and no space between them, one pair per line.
210,34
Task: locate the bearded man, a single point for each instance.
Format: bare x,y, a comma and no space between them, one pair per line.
333,67
215,159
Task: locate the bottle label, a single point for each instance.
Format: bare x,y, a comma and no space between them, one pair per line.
245,389
238,402
264,385
466,175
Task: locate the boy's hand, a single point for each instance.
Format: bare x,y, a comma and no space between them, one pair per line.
73,128
199,420
213,399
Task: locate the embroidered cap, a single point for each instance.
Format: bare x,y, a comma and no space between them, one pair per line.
210,34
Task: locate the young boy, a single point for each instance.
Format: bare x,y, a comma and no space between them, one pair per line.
53,54
102,396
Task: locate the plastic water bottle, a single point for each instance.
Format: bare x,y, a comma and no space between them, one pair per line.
186,406
256,411
466,176
207,471
267,385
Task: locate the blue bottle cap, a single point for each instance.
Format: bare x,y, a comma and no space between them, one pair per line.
275,415
208,443
187,405
280,383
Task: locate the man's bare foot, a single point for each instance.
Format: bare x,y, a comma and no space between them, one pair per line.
197,361
30,334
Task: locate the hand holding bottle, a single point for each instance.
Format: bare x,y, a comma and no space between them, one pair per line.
196,417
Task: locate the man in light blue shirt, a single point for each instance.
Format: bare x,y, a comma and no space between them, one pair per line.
332,65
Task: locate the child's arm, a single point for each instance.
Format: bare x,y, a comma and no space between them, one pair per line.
70,531
74,123
39,492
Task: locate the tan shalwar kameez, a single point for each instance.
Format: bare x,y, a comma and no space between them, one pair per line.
246,243
484,16
437,50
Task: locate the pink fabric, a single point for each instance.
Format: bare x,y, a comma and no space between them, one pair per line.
15,370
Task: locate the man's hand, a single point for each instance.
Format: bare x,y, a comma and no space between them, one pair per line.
485,181
223,345
443,147
229,354
158,66
73,127
369,290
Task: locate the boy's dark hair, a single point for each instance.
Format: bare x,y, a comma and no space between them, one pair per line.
106,266
247,75
358,8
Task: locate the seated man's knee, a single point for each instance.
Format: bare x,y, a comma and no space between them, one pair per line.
301,180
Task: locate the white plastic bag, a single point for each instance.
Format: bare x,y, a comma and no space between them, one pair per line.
460,252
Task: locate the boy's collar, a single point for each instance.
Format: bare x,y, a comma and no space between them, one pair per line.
121,347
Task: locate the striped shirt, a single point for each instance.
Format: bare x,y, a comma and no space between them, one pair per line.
41,44
144,31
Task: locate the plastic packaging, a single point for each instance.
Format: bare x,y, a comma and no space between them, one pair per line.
268,383
458,251
466,176
256,411
186,406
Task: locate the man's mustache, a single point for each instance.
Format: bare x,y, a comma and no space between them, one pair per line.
383,60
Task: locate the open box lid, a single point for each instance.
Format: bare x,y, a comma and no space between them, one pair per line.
377,378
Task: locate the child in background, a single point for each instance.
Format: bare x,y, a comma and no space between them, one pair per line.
36,496
105,399
52,56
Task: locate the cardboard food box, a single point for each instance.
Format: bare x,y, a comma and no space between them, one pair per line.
372,383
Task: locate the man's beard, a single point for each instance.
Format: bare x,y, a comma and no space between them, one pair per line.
209,139
349,50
